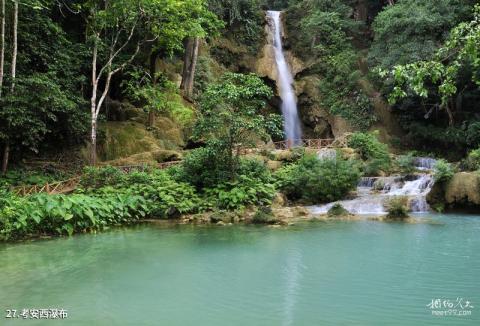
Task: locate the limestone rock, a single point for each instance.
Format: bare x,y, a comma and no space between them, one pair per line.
279,200
463,188
274,165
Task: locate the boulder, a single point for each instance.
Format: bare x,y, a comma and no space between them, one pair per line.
280,200
463,189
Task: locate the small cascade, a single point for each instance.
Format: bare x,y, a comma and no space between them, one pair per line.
424,163
327,154
293,132
373,194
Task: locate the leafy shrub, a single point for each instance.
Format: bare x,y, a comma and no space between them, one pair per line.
60,214
473,134
30,177
243,192
97,177
473,160
443,171
338,210
167,198
406,163
397,208
203,167
372,151
315,180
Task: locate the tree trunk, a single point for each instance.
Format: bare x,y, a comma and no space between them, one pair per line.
189,66
6,151
93,108
2,49
93,143
448,108
6,154
153,72
361,11
15,44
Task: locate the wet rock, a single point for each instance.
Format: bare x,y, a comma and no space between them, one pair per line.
279,200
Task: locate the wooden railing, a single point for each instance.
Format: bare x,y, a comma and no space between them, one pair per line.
60,187
70,185
309,143
67,186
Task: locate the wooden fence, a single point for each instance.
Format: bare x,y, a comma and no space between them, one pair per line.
59,187
63,187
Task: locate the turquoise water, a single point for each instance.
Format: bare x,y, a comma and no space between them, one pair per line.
339,273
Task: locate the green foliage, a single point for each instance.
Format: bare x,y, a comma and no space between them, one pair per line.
473,134
411,30
443,171
397,208
317,181
243,192
229,118
324,33
94,178
406,163
473,160
165,197
243,19
337,210
163,97
59,214
372,151
205,167
461,50
20,177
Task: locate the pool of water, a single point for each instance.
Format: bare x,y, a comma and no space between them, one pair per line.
335,273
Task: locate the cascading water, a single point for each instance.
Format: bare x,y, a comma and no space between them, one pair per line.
374,193
293,132
424,163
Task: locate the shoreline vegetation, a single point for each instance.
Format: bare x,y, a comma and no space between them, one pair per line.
191,193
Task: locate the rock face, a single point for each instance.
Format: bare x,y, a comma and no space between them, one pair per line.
317,121
129,143
463,190
266,64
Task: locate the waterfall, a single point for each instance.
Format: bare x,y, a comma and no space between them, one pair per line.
292,127
373,195
424,163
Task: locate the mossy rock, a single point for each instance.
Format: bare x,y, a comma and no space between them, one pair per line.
337,210
161,156
264,215
124,139
169,132
289,155
133,141
274,165
123,111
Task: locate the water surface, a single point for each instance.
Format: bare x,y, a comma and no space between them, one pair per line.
339,273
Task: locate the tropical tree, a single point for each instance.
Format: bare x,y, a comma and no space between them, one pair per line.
230,116
440,75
